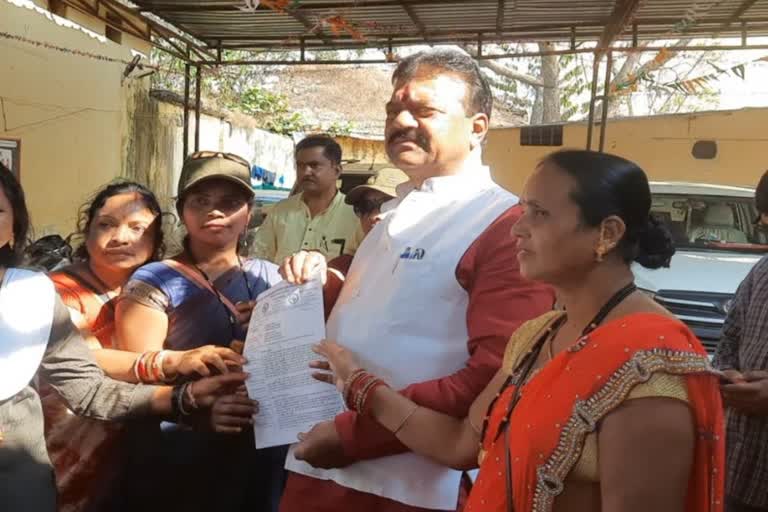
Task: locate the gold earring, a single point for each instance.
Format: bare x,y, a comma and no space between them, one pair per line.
600,255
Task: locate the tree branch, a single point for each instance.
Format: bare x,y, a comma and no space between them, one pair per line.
624,72
504,71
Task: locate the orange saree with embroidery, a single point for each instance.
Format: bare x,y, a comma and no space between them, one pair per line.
84,451
554,425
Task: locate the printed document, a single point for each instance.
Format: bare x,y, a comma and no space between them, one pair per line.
286,322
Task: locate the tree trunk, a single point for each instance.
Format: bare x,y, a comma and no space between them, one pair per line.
537,111
550,95
631,64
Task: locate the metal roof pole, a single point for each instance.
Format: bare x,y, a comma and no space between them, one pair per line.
187,71
606,98
744,33
198,84
592,97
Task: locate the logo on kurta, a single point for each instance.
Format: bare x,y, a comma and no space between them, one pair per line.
413,253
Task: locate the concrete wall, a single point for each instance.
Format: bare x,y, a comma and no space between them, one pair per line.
70,112
155,147
661,145
80,127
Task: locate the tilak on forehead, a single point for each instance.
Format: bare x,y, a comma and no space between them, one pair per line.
405,92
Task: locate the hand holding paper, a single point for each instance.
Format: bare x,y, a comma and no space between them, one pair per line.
339,361
286,322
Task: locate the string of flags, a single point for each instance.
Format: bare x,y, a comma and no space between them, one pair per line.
692,85
336,23
687,86
339,25
632,80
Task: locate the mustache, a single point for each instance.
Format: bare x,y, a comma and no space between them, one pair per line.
410,135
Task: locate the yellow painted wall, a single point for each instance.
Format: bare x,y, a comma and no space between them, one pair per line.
81,128
71,112
661,145
364,150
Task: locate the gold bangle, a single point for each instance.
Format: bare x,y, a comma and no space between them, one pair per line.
407,417
360,401
349,381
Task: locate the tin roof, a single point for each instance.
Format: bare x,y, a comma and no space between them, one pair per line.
340,24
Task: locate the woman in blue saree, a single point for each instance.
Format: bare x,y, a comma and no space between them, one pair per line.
201,296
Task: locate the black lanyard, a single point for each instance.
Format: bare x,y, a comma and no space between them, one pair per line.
523,371
217,293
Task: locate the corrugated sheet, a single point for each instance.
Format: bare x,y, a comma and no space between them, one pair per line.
399,22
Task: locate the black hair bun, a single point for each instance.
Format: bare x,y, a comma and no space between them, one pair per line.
655,245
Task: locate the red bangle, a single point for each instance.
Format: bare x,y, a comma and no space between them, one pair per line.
358,388
141,367
365,404
354,388
363,393
145,366
349,382
361,390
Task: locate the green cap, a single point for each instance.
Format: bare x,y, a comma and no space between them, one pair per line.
208,165
385,180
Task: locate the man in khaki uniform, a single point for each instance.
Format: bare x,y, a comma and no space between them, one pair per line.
317,218
367,201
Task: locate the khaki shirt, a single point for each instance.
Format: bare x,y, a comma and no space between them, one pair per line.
289,228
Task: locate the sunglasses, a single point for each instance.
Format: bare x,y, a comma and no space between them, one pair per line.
366,207
198,155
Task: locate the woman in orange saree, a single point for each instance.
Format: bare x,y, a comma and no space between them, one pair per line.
609,405
641,355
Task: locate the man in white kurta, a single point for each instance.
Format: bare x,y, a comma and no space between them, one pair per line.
430,298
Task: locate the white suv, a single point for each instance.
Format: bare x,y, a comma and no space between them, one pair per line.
717,244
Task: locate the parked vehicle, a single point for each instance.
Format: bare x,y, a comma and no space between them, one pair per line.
717,241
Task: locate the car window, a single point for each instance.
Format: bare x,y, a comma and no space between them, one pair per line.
715,223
